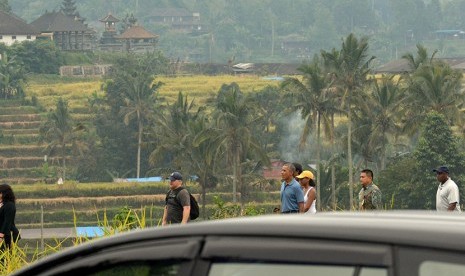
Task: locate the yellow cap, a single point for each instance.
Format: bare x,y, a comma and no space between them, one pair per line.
307,174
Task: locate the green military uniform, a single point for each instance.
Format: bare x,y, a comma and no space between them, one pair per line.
369,198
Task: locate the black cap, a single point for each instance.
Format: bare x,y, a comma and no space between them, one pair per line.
442,169
175,176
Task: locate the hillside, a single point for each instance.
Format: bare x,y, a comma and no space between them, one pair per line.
87,204
278,31
23,158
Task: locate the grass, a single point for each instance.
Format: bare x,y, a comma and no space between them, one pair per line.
77,90
201,85
89,199
127,219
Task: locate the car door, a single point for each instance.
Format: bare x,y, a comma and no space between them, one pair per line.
239,256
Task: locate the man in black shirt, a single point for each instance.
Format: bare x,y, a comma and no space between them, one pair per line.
177,204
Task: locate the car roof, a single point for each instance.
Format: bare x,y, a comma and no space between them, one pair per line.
425,229
421,229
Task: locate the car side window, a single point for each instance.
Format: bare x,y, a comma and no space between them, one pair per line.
432,268
159,257
429,262
276,269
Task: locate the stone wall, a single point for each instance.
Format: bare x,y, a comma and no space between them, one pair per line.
85,70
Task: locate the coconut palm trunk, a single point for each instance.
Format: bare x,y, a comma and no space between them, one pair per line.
349,152
333,169
63,156
318,161
139,142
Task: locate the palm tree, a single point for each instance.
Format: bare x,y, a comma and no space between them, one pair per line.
315,103
12,78
234,115
385,108
270,107
350,67
133,77
421,59
378,120
435,87
203,153
188,139
172,133
58,132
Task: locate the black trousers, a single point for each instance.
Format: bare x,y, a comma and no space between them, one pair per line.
6,244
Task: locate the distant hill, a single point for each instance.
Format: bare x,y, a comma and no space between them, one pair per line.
256,31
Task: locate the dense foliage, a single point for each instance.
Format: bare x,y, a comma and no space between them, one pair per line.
39,56
256,30
333,117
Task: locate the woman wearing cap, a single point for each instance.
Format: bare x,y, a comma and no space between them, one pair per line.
8,230
307,182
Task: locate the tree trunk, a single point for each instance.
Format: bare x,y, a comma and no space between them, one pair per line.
349,153
272,36
63,155
318,161
239,180
139,143
235,162
203,184
333,169
383,157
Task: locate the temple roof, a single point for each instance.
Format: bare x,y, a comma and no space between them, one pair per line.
10,24
58,22
136,32
109,18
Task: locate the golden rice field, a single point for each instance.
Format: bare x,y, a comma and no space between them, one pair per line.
195,87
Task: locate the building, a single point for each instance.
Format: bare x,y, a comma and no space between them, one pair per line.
178,19
67,32
449,34
137,39
14,29
242,68
274,170
108,42
401,66
295,46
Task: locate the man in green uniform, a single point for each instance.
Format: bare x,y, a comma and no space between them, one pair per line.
369,197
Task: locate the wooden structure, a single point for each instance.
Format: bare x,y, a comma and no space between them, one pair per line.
108,42
137,39
67,32
178,19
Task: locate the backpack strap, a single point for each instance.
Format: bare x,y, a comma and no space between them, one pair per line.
166,198
175,195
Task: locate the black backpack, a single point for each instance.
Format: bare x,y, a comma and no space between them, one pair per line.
195,210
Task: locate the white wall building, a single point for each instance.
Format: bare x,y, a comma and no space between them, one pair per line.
14,29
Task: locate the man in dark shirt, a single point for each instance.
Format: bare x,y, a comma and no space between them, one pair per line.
178,205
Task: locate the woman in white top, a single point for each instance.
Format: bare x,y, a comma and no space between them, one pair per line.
307,182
